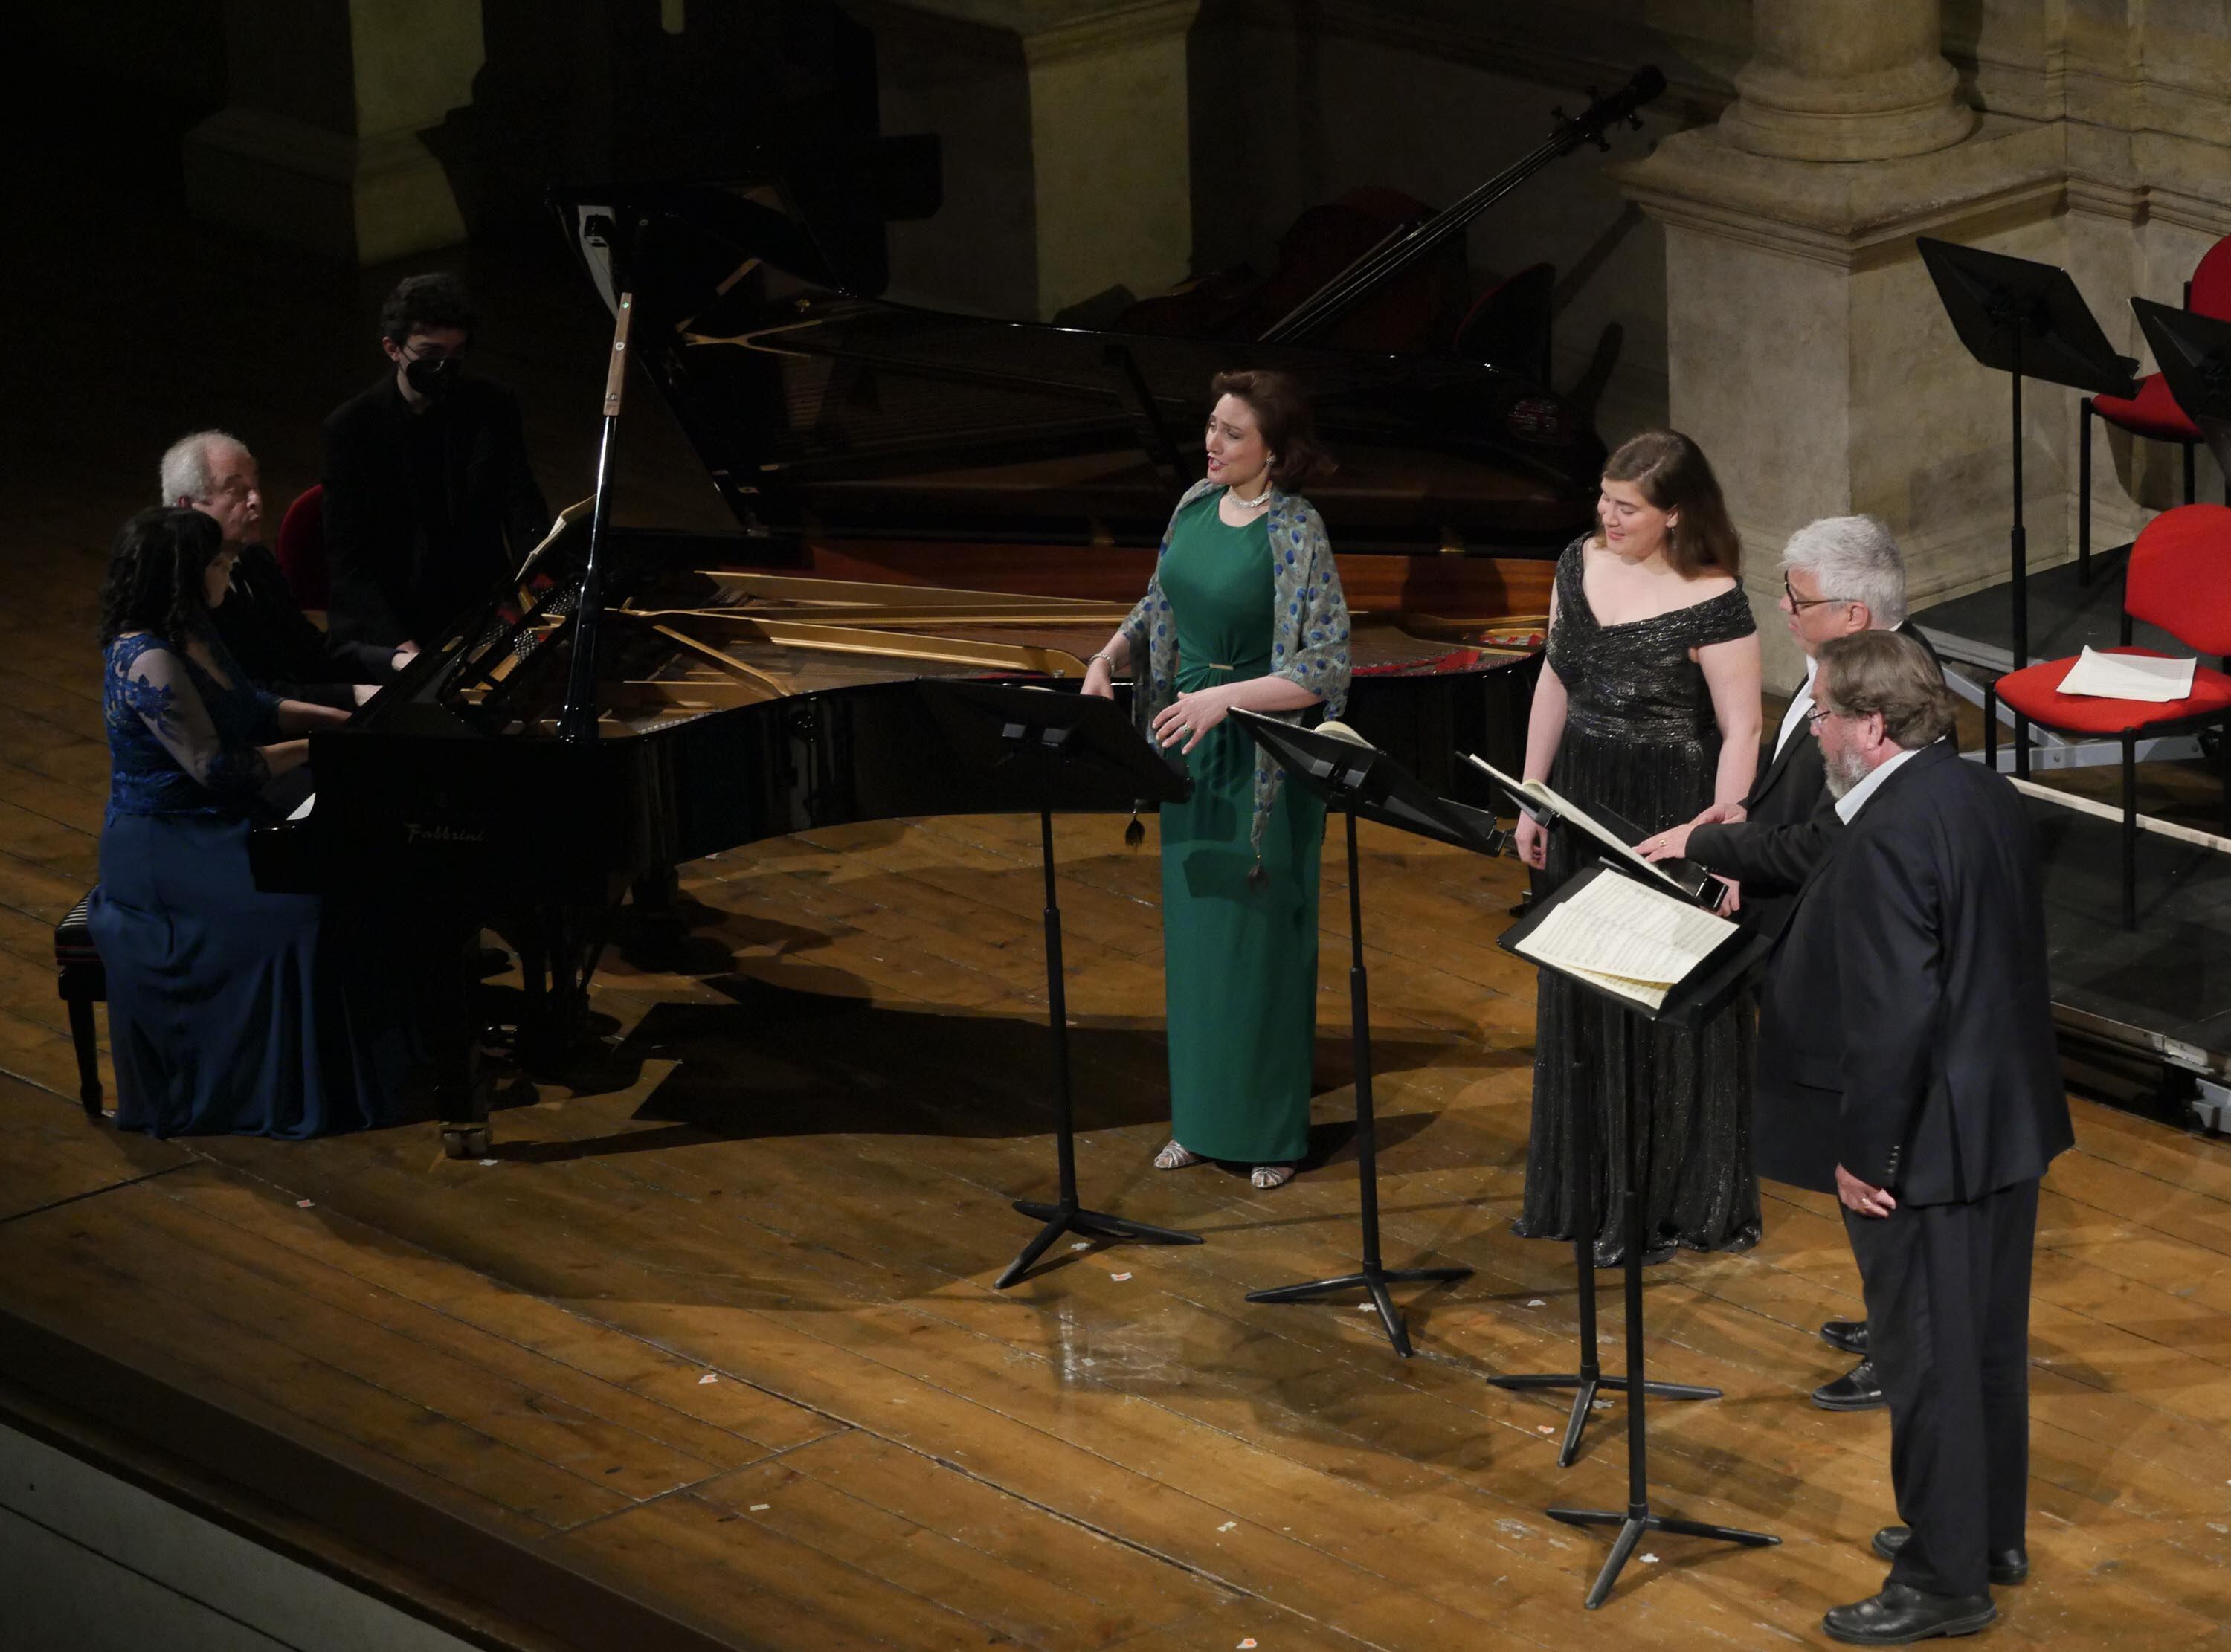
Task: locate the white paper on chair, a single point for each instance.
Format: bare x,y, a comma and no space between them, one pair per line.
1626,937
2129,676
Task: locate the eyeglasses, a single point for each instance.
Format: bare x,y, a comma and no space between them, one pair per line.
1797,601
1813,718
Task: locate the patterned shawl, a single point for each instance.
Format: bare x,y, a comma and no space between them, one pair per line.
1309,641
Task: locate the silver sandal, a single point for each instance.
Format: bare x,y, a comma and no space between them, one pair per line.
1175,1156
1267,1177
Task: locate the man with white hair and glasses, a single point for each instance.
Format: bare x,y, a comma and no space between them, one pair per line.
1840,576
213,472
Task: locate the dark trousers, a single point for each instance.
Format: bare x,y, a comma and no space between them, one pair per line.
1948,1325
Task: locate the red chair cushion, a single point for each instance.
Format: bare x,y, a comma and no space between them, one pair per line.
2152,412
2180,576
2035,693
301,549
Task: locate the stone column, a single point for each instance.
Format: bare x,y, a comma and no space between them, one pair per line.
1807,351
319,146
1067,157
1846,81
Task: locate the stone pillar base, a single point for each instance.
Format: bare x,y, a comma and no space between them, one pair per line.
362,199
1908,110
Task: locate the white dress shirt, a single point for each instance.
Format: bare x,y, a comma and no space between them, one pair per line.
1793,718
1854,800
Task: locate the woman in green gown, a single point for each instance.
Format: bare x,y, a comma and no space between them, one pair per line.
1245,609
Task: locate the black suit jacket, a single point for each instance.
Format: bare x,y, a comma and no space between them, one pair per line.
1790,824
405,559
1905,1025
276,644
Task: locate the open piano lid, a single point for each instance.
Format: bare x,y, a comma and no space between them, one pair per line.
822,410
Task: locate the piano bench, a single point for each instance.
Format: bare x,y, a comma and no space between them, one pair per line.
84,984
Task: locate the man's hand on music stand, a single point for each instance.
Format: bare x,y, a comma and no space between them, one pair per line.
1672,844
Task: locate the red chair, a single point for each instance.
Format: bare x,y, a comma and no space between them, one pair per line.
2153,412
301,551
2178,578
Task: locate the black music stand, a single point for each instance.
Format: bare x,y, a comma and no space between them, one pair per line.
1359,780
1589,1380
2025,320
2194,353
1067,752
1707,988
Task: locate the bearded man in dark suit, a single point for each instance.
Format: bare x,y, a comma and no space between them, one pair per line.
1908,1016
1841,575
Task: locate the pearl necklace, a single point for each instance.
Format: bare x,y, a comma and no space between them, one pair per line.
1254,503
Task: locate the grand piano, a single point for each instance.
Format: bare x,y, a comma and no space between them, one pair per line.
742,690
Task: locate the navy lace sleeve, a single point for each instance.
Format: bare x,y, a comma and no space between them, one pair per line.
161,732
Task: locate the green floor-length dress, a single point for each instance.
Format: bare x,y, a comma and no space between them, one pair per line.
1240,957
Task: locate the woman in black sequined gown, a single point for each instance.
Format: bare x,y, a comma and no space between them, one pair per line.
1649,704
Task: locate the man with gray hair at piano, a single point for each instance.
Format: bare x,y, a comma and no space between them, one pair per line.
1839,575
262,625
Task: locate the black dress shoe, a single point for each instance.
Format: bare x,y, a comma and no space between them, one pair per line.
2009,1566
1900,1615
1857,1390
1850,1335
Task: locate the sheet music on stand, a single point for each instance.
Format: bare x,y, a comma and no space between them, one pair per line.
1686,878
1626,937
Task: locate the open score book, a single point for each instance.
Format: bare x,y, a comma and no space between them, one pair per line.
1670,874
1626,937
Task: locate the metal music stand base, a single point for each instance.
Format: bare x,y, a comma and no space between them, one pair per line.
1632,1525
1638,1517
1374,1280
1589,1380
1064,1215
1586,1385
1371,1276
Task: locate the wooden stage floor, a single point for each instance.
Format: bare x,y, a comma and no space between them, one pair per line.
709,1354
715,1333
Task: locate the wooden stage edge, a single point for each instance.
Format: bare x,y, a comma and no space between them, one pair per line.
708,1353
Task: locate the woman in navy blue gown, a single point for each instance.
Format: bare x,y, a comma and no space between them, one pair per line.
230,1011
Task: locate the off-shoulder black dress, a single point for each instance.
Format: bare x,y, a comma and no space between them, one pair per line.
1640,736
